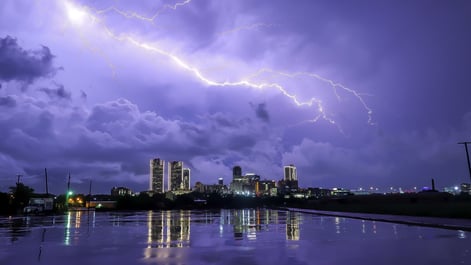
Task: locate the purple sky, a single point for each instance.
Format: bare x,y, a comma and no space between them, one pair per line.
98,88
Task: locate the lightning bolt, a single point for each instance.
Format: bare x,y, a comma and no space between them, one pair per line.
317,103
151,19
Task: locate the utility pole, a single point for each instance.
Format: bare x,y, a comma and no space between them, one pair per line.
89,194
18,179
467,157
47,189
67,194
68,185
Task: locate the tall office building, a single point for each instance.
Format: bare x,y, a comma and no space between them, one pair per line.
290,173
236,172
186,179
156,180
175,175
290,180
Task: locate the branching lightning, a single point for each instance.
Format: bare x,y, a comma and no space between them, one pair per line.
151,19
94,16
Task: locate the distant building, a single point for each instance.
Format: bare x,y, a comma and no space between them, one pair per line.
290,173
175,175
237,180
465,188
212,188
340,192
247,185
156,179
186,179
455,190
290,180
120,191
221,181
319,193
265,187
199,187
236,172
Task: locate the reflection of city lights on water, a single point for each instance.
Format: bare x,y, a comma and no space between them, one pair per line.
168,229
67,230
292,226
78,216
337,225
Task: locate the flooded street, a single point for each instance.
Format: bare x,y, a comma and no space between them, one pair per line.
223,237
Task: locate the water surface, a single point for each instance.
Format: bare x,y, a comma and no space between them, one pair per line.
250,236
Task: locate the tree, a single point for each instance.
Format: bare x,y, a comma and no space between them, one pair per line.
21,195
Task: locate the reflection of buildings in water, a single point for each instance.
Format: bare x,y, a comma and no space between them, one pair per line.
17,227
168,229
245,221
292,226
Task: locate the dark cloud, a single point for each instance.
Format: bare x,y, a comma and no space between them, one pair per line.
7,101
261,111
58,92
23,65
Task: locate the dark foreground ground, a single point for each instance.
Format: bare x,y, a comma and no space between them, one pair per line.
434,204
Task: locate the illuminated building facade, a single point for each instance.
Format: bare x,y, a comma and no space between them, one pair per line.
290,173
120,191
290,180
175,175
156,180
186,179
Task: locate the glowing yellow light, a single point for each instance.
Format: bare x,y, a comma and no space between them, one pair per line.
75,14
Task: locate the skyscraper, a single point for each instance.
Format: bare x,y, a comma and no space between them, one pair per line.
290,173
236,172
156,180
186,179
175,175
290,181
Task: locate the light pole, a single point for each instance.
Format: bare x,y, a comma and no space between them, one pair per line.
467,156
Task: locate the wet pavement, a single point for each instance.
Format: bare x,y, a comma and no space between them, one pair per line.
448,223
250,236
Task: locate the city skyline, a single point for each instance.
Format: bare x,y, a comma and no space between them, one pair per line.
360,94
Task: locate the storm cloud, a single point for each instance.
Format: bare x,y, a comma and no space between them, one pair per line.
353,94
19,64
261,112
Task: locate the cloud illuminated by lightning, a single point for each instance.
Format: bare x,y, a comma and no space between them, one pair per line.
246,27
84,12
